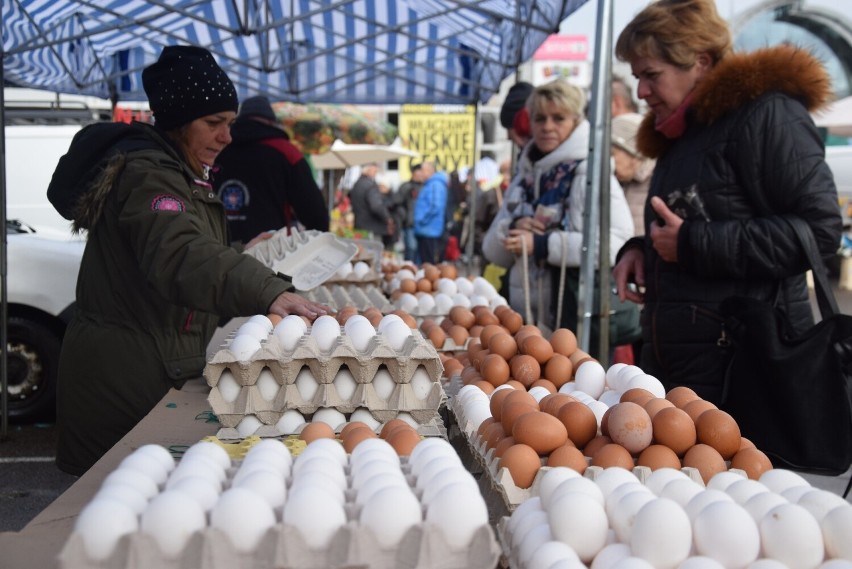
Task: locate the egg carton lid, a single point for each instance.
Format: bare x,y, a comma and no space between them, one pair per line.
315,261
279,245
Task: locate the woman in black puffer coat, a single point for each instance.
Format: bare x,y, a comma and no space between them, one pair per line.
736,152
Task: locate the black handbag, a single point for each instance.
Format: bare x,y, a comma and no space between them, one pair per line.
792,394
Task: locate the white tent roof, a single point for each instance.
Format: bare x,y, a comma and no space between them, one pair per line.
333,51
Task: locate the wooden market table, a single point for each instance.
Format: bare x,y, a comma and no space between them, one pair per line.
180,418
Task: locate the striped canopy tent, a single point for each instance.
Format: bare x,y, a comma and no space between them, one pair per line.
317,51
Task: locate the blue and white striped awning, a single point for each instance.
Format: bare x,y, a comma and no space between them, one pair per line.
332,51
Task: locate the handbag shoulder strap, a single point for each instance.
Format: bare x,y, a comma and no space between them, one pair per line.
825,297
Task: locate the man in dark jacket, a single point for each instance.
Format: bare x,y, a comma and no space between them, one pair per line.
403,201
369,204
264,181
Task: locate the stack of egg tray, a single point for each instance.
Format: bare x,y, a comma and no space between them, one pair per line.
500,492
421,547
416,352
336,296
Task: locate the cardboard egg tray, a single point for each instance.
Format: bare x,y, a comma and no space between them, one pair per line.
423,546
416,352
337,295
433,428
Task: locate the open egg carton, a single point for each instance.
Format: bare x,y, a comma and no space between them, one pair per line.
267,384
353,543
280,245
337,295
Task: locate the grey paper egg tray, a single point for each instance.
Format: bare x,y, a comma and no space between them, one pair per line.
337,295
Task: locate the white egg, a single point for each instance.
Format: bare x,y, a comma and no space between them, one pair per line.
101,523
568,387
360,334
151,468
365,416
484,288
270,445
344,383
681,491
396,334
319,482
578,484
464,286
790,534
539,393
390,513
369,445
434,469
460,299
836,564
611,478
327,448
658,479
171,519
306,383
550,553
662,534
612,372
765,564
528,506
422,384
721,480
330,416
254,329
248,425
613,498
590,378
625,512
476,412
289,331
497,301
529,521
126,494
134,478
629,563
702,562
552,479
264,321
820,502
202,490
609,555
446,286
478,300
457,513
211,451
244,346
426,304
447,477
243,516
367,470
317,516
408,418
533,540
623,376
702,500
383,383
759,504
360,269
354,319
407,302
344,270
267,385
289,422
610,397
403,274
158,453
325,330
267,484
578,520
197,468
386,320
280,463
742,490
228,387
443,303
724,531
778,480
426,451
836,528
795,493
648,383
368,487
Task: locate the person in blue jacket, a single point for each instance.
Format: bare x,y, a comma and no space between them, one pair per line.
430,214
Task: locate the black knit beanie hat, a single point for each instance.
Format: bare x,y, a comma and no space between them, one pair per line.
515,100
184,84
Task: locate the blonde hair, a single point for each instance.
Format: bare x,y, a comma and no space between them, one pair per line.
562,94
676,31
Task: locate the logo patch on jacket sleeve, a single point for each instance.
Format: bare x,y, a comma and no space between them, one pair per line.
167,202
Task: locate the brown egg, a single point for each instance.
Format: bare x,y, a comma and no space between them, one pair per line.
681,395
521,396
578,357
479,357
274,318
314,431
674,429
345,313
718,429
636,395
754,462
446,324
658,456
510,413
493,434
475,331
568,456
487,318
653,406
564,341
448,271
391,426
697,407
490,331
503,344
558,370
355,436
516,384
613,455
525,369
395,295
463,316
351,426
408,285
459,334
580,422
374,315
603,426
522,462
426,325
424,285
470,374
437,337
706,460
630,426
484,425
452,368
595,444
511,320
485,386
501,447
745,443
431,272
546,384
406,317
403,440
496,402
541,431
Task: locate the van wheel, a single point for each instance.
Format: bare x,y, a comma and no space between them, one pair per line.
33,361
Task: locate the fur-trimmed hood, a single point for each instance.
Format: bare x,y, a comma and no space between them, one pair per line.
742,78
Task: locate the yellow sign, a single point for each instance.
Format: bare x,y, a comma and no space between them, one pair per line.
443,134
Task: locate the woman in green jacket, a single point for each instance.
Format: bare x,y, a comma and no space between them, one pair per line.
157,273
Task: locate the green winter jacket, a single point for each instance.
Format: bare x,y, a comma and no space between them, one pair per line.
155,278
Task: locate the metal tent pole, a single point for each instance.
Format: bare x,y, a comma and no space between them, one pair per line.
4,307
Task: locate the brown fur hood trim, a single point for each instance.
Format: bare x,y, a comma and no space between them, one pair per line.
744,77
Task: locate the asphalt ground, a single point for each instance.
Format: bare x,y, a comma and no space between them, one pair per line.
29,480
